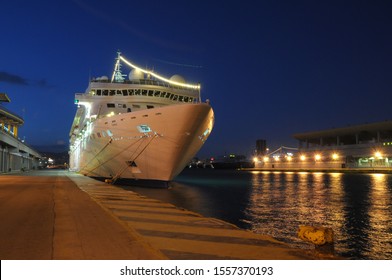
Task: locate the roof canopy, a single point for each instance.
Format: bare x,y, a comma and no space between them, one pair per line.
349,130
4,98
9,118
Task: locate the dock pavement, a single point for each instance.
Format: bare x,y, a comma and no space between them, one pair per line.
61,215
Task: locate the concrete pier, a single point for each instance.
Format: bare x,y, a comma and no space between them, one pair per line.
63,215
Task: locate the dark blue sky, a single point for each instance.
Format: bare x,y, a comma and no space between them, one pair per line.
270,68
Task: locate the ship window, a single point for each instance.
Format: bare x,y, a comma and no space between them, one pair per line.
144,128
111,105
130,91
144,92
112,92
137,92
180,98
124,92
157,93
186,98
168,94
129,110
109,133
119,92
175,97
150,106
99,92
105,92
190,99
150,93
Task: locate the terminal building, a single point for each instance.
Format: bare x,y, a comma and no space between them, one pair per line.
366,146
14,154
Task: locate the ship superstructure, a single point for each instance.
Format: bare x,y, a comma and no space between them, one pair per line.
146,127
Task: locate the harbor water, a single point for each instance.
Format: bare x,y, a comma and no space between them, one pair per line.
358,207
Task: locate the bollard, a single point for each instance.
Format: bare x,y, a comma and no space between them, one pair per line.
321,237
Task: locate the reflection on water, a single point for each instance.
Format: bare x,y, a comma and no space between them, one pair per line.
357,206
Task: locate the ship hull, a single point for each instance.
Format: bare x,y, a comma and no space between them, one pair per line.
151,145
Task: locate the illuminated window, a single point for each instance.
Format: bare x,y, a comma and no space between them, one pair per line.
143,128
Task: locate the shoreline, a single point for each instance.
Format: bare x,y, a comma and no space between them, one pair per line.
325,170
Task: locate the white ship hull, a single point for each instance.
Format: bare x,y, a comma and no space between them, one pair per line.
154,144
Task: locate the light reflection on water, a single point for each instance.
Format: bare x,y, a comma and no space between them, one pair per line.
358,207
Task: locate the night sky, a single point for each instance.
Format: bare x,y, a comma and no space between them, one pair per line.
269,68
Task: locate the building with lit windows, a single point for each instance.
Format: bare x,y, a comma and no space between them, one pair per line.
366,146
14,154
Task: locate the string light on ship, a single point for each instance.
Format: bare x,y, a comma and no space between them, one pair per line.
192,86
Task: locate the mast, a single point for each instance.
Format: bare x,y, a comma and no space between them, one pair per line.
117,76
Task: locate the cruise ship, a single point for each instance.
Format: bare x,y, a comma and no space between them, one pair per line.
139,128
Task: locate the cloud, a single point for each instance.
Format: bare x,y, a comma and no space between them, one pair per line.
153,39
9,78
43,84
12,79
